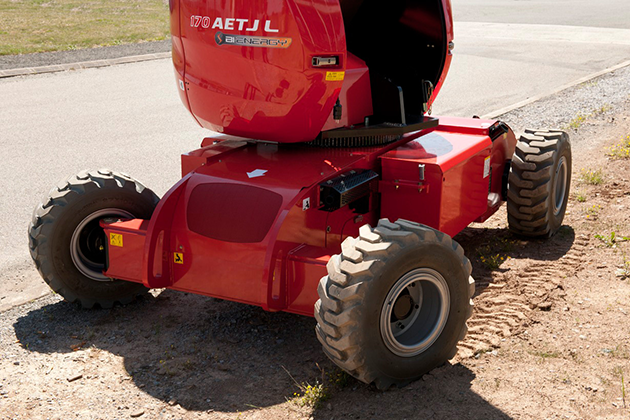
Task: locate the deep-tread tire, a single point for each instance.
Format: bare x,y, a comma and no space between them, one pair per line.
353,295
64,209
539,183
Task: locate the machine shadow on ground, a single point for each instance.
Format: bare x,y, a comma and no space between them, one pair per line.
210,354
213,355
489,248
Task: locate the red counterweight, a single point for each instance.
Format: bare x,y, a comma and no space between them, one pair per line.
275,73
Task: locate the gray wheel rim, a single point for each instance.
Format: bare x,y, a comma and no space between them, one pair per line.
560,182
79,244
415,312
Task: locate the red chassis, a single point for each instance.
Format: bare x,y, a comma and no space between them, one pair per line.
247,222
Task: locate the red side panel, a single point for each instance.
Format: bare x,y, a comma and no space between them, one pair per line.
441,179
305,264
237,218
125,246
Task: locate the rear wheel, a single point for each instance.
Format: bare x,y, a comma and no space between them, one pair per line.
67,242
394,303
539,183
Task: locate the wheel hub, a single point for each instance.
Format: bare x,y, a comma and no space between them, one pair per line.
415,312
87,246
402,308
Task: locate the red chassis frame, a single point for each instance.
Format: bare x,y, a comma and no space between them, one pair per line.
245,222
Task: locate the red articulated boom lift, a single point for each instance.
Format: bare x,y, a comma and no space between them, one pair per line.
328,190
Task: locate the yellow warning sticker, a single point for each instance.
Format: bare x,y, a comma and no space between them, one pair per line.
178,258
486,167
115,239
335,76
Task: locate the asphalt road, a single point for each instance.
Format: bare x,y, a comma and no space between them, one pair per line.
509,50
127,118
130,118
586,13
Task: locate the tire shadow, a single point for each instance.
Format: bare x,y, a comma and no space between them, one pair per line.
213,355
203,353
444,393
488,248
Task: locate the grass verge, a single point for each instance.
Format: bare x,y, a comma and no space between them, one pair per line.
28,26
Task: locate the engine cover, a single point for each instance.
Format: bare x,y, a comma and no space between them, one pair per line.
262,70
274,70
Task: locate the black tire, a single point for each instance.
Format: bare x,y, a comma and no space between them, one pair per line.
539,183
370,291
66,242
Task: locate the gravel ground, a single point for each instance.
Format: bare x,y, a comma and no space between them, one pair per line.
602,95
78,56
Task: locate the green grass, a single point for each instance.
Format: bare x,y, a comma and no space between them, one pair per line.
576,122
580,197
28,26
491,261
592,177
547,354
310,395
620,150
612,239
494,254
618,371
593,212
624,271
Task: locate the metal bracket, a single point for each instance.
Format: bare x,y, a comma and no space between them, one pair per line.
421,171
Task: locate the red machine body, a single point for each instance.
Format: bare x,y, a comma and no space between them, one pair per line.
247,221
254,221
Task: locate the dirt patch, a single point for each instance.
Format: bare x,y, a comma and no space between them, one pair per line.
549,337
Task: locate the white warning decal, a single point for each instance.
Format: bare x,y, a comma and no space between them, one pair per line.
256,173
486,167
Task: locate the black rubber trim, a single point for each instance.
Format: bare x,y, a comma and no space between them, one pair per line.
505,179
498,129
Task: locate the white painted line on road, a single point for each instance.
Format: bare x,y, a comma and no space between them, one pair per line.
83,65
495,114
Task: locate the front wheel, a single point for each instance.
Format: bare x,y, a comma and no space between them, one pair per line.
67,242
395,302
